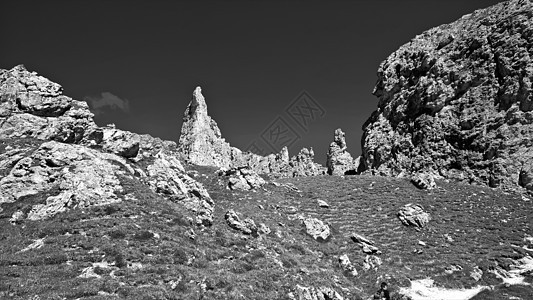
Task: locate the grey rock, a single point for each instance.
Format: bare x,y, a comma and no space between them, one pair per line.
33,106
242,178
424,181
338,160
317,229
316,293
123,143
371,262
246,226
413,215
201,142
346,265
457,101
168,178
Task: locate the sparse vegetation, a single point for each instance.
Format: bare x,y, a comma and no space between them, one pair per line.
142,248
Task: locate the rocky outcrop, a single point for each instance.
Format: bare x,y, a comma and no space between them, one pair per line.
242,178
56,156
167,177
413,215
367,245
201,143
338,160
316,293
457,101
33,106
67,176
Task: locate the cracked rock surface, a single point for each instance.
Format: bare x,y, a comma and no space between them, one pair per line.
456,101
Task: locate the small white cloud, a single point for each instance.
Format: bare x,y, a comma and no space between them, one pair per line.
107,101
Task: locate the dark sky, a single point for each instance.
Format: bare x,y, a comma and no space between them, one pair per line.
138,62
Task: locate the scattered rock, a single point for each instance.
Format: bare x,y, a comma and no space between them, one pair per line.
424,181
366,244
246,226
322,203
357,238
263,229
413,215
338,160
317,229
476,273
457,101
242,178
371,262
346,265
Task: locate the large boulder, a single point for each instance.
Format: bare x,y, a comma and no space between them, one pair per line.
413,215
457,100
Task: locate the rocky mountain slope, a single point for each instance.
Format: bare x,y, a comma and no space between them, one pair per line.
90,212
54,153
456,101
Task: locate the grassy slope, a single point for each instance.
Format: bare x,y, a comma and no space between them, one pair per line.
142,248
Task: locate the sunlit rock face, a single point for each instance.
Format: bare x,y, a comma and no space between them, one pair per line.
52,151
456,101
201,143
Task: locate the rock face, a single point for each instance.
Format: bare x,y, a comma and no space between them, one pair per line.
339,160
73,176
33,106
413,215
56,156
201,143
457,101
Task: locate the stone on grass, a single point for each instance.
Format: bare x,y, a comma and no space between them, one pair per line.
246,226
413,215
317,229
346,265
424,181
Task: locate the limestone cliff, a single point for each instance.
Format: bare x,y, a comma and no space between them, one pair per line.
456,101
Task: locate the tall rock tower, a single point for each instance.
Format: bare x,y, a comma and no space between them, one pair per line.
201,142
